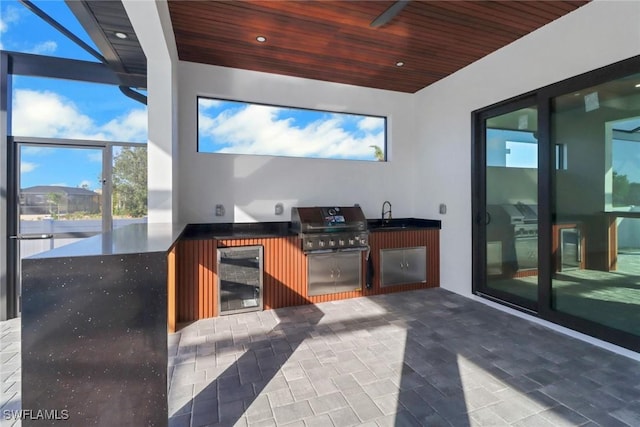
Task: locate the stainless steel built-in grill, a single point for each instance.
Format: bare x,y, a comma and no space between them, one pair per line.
333,239
330,229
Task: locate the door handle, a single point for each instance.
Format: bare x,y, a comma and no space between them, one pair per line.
32,237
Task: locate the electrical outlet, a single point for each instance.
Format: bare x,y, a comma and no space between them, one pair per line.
443,208
219,210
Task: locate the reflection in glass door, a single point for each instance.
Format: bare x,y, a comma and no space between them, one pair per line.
59,196
511,205
596,227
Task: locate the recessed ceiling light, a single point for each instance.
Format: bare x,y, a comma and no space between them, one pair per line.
399,63
121,35
638,85
261,39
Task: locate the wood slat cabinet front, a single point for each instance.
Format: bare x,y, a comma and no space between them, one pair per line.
285,271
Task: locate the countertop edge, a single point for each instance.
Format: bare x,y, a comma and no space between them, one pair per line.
162,237
130,239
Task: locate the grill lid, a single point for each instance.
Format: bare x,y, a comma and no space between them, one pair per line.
327,219
333,228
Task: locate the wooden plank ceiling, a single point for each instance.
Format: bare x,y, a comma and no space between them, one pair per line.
333,41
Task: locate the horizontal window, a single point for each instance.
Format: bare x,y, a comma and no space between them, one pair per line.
245,128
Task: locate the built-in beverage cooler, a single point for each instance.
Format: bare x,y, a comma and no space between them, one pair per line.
240,278
570,249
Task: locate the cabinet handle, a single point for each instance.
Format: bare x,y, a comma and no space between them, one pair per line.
339,273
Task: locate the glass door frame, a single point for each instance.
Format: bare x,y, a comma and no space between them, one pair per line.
13,201
542,98
14,278
106,173
479,204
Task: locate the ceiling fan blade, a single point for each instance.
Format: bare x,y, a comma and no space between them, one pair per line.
389,14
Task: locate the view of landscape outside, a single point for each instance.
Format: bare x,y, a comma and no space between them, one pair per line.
61,185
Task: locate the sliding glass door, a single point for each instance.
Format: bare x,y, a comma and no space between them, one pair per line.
596,228
510,204
556,190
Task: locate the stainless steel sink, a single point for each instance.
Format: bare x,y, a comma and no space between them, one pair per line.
391,224
396,224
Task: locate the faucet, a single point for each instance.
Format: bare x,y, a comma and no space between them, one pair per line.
386,202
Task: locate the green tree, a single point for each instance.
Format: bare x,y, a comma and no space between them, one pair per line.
620,189
54,199
633,198
130,182
378,153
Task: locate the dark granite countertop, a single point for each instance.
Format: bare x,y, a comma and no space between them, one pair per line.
283,229
131,239
239,230
145,238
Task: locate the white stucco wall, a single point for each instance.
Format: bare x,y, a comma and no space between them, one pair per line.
595,35
152,25
249,186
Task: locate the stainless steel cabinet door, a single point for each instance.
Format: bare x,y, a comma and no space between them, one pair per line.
415,265
392,267
321,278
494,258
403,265
333,273
348,273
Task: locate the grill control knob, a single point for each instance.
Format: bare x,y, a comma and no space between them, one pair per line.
321,243
340,242
363,242
309,244
352,242
332,242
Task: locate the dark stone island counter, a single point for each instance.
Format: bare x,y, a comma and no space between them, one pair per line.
94,329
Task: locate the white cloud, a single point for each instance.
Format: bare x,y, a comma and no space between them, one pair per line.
95,156
35,151
47,47
26,167
129,127
85,184
50,115
256,129
8,16
371,124
208,103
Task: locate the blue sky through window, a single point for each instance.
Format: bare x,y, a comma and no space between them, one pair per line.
53,108
244,128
